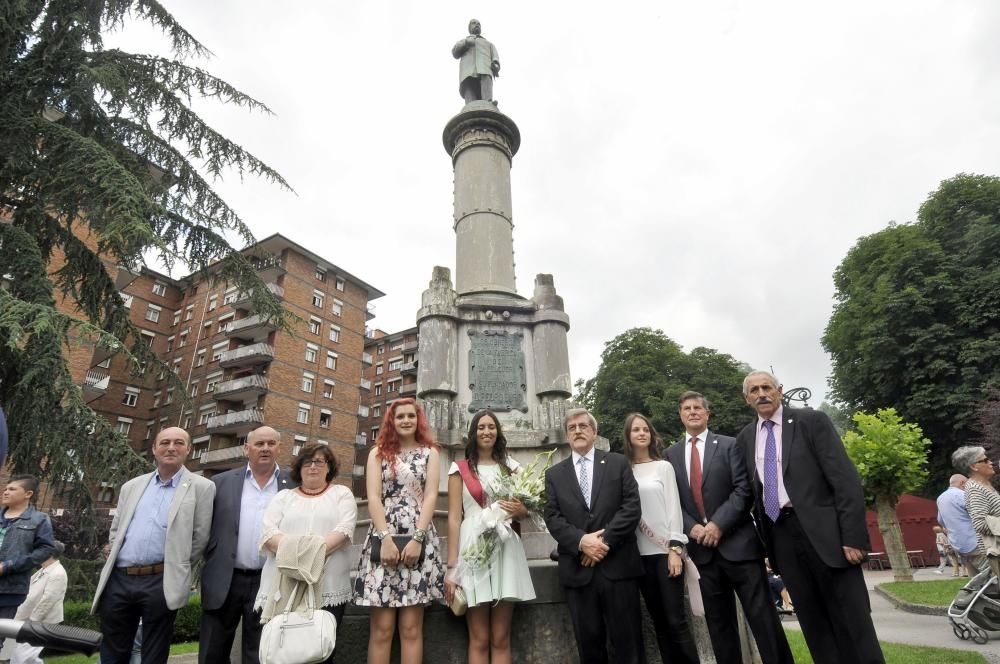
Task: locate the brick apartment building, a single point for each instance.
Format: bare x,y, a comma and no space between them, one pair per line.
240,372
392,374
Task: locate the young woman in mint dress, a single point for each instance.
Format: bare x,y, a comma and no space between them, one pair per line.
492,592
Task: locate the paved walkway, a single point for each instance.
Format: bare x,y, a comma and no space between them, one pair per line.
897,626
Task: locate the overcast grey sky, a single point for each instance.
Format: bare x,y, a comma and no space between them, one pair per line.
696,167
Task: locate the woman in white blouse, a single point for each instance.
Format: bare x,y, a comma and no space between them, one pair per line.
316,507
661,541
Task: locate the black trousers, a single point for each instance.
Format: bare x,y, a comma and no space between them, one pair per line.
338,613
722,581
664,597
831,602
124,601
605,608
218,626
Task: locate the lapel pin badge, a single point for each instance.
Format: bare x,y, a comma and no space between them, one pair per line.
790,420
602,460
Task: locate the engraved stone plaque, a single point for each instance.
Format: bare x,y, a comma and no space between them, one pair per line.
496,371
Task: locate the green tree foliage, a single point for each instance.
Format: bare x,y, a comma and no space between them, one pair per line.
891,457
643,370
916,326
109,137
841,418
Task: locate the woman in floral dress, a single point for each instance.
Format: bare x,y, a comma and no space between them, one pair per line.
402,479
491,592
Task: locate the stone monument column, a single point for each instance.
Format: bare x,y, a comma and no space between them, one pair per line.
482,142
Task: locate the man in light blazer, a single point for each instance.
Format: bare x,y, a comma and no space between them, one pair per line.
233,561
592,511
158,535
715,500
809,508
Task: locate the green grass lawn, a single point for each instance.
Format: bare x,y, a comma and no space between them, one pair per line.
895,653
176,649
939,592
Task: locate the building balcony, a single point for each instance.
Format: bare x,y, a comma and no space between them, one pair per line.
365,384
241,389
408,368
408,390
366,359
247,355
223,455
95,384
243,299
411,346
369,311
237,421
270,267
362,411
361,440
254,328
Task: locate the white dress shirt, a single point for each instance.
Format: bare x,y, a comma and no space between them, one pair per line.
590,470
253,502
702,439
783,500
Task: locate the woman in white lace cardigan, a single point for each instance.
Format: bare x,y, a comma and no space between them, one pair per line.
981,499
317,507
661,541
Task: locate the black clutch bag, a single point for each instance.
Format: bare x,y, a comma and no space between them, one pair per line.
400,541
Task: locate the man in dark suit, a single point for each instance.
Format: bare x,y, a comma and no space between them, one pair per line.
715,501
810,510
592,512
233,561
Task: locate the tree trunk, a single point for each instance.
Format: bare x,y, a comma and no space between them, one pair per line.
892,536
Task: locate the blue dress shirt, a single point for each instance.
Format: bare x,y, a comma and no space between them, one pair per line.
953,516
253,502
146,536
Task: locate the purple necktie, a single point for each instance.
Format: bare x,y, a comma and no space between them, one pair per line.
771,505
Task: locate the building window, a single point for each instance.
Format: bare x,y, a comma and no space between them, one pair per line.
318,299
194,389
320,274
381,350
218,349
374,433
341,284
315,325
205,414
376,411
213,302
187,420
311,351
124,425
379,369
231,296
131,396
201,358
302,417
324,419
328,389
299,442
170,395
211,382
177,318
331,360
338,308
396,346
159,288
105,364
153,313
184,339
126,300
378,389
334,333
189,312
393,387
156,399
148,337
149,431
395,365
307,382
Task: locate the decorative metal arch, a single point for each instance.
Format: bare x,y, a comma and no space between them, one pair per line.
802,394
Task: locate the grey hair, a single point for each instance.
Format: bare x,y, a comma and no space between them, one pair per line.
774,379
577,412
957,479
963,458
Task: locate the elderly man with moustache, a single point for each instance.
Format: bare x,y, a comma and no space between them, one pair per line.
810,511
592,511
233,560
158,535
715,501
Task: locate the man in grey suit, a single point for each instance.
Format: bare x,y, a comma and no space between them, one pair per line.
233,561
157,536
715,500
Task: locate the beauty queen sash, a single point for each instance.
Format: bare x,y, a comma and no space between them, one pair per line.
475,487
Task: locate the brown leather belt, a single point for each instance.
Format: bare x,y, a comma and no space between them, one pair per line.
141,570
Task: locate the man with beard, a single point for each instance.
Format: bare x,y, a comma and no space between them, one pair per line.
809,508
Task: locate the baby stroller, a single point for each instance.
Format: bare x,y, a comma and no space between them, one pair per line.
975,611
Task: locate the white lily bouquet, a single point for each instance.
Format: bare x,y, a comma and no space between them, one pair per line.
494,522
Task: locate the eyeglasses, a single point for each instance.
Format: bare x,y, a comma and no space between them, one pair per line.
983,460
577,427
314,462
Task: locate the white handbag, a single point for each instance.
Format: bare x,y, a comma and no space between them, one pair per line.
299,638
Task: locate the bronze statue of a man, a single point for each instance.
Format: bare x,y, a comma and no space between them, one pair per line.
479,63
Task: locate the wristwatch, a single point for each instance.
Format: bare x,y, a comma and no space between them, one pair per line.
679,550
381,534
419,535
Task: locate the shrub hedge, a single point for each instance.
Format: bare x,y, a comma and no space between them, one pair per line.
186,628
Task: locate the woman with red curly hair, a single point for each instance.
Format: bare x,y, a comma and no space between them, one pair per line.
401,568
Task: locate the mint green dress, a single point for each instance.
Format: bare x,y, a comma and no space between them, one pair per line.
508,577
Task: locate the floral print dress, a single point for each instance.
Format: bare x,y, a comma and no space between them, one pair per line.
399,585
